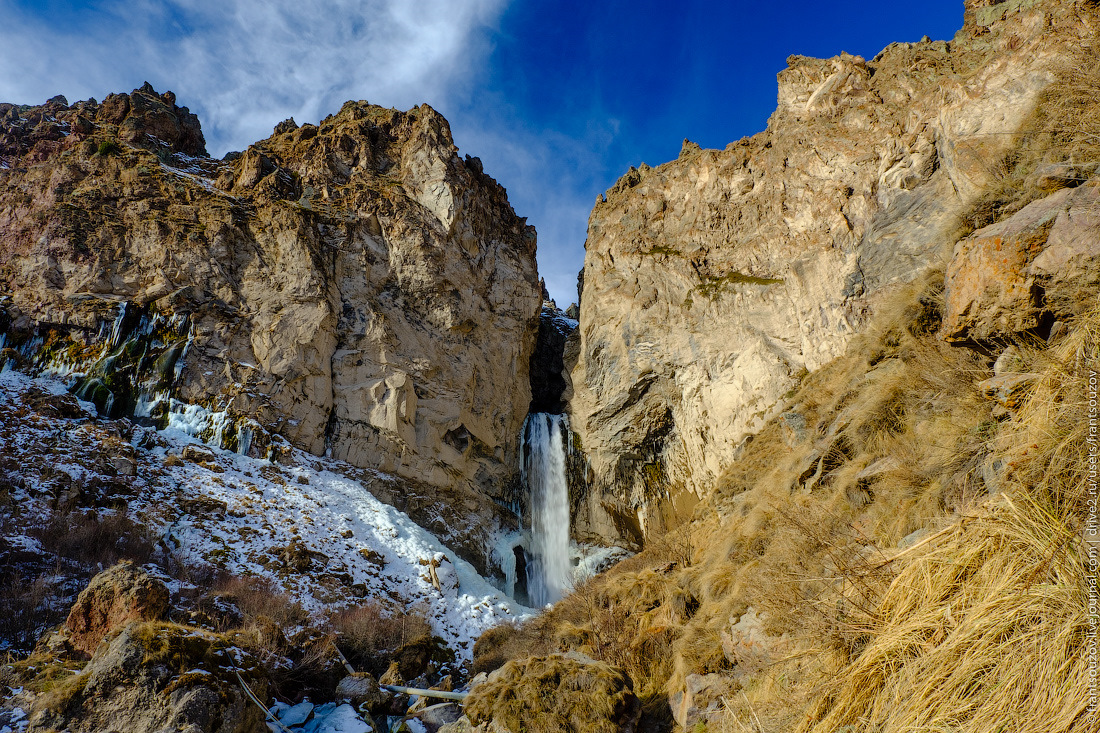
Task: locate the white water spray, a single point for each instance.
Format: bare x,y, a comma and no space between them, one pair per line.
550,572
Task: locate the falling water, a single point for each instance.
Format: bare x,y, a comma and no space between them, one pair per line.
544,473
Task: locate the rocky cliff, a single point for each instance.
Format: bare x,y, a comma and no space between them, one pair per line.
356,286
714,282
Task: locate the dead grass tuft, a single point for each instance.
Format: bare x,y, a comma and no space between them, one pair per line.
555,693
243,600
95,538
984,627
369,635
985,624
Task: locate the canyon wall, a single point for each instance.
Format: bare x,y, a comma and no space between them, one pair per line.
356,286
714,282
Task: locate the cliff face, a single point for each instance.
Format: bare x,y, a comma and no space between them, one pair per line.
713,283
356,286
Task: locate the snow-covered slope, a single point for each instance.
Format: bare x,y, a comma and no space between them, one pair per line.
301,522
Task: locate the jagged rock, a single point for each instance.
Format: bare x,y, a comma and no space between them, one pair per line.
701,699
436,717
462,725
987,288
298,557
1010,361
548,382
198,454
356,286
296,714
56,406
124,464
1053,176
114,598
1068,268
747,645
556,693
1041,262
1008,390
712,283
201,506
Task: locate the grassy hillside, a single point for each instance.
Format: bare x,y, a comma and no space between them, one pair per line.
895,552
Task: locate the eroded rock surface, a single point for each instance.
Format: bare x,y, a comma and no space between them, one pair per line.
356,286
114,598
1024,273
155,677
714,282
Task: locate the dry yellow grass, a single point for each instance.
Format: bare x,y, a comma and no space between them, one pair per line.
978,627
984,628
983,631
771,539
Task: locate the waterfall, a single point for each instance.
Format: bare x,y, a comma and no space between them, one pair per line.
549,573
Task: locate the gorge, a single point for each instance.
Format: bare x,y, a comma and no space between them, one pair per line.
314,396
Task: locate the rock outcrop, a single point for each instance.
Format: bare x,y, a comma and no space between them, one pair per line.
153,677
713,283
356,286
1027,272
548,369
114,598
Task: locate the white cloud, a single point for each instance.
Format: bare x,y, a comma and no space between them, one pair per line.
243,65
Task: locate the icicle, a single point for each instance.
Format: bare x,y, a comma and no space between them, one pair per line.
244,439
116,329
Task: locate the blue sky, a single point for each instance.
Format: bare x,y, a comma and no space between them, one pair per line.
557,98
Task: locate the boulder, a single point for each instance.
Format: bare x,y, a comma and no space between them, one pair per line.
363,692
157,676
113,599
1008,390
1038,265
435,717
988,290
747,645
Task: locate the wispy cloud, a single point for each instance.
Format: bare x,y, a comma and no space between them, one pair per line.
245,64
551,179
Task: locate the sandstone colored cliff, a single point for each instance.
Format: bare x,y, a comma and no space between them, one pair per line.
713,283
356,286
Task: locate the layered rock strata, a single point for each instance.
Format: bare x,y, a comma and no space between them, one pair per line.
712,283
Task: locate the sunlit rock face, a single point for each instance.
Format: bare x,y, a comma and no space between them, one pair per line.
357,287
712,283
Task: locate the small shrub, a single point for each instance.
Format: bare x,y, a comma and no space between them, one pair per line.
496,646
26,611
555,693
256,599
368,634
107,148
95,538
